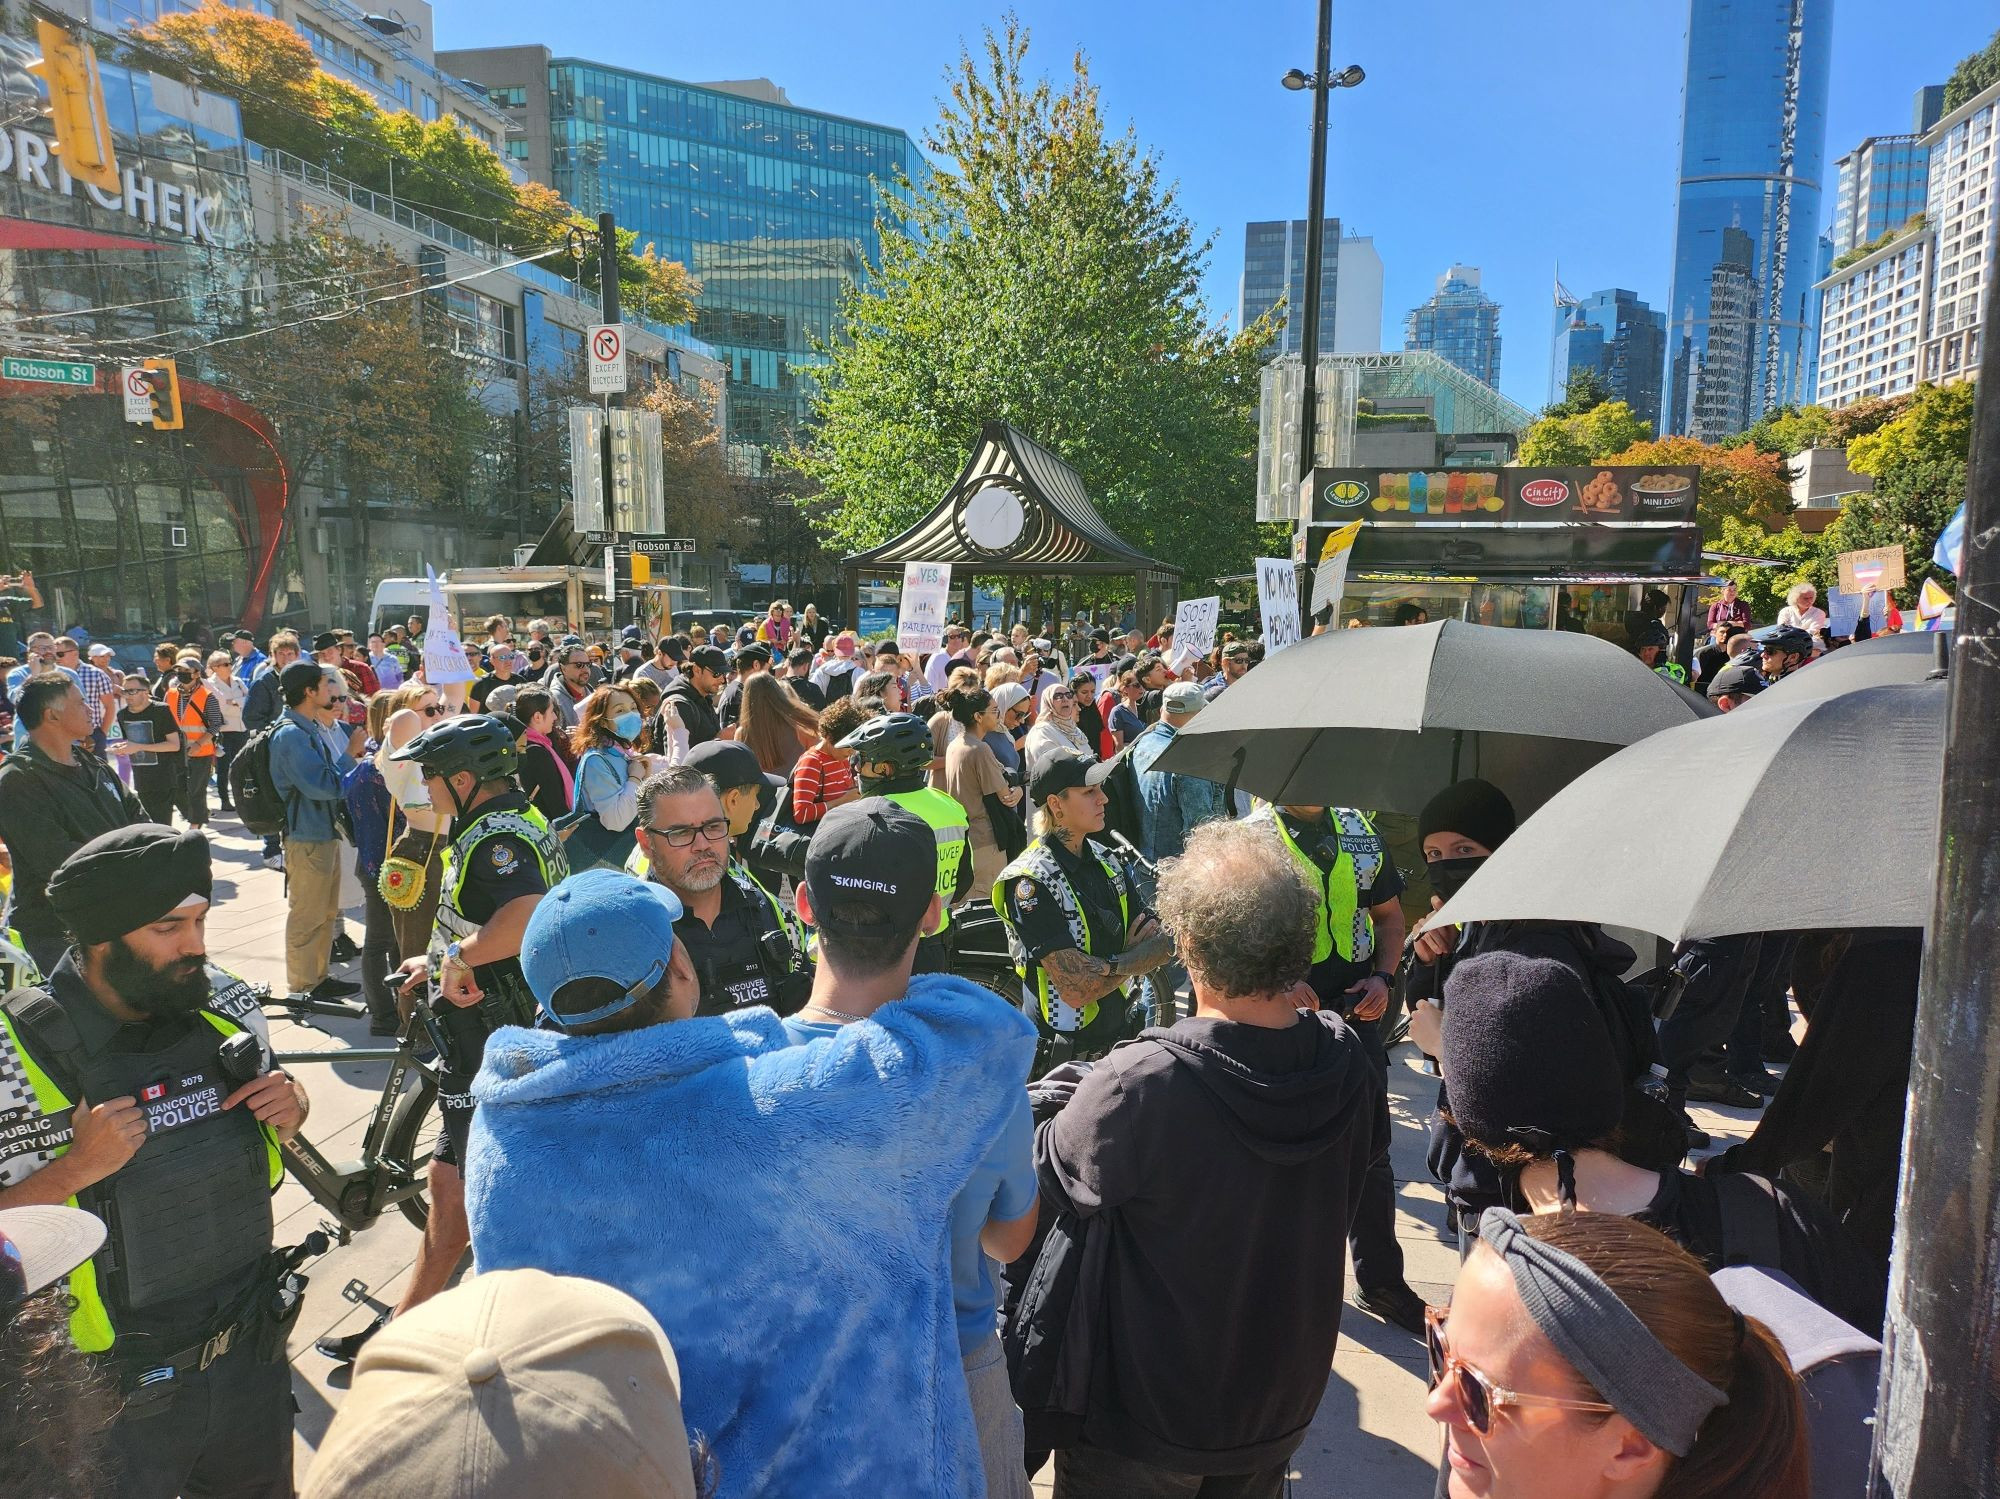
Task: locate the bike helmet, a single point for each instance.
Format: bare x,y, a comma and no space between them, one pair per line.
479,743
1787,638
901,739
1651,633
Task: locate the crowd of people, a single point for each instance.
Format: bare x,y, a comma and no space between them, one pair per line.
851,1222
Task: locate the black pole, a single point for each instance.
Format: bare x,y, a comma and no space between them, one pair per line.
1322,85
607,296
1938,1425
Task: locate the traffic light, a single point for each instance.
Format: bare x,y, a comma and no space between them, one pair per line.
76,107
164,383
642,570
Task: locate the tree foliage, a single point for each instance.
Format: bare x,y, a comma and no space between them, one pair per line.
1587,437
289,102
1802,559
1973,75
1048,278
1585,390
360,389
1737,483
1935,425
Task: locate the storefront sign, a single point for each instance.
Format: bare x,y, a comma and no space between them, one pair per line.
920,620
1278,601
169,206
49,372
1463,496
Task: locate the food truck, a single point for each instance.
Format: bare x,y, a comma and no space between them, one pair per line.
1527,548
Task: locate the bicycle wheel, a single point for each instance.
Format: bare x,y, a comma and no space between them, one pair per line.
413,1136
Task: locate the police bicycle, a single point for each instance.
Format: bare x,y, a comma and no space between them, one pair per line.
393,1168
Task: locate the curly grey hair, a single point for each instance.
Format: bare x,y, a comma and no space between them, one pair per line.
1240,909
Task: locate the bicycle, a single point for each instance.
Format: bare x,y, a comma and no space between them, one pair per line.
396,1149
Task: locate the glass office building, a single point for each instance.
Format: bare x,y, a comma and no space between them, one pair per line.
1618,336
772,207
1350,292
1460,324
1753,147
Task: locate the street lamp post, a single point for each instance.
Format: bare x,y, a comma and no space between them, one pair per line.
1322,81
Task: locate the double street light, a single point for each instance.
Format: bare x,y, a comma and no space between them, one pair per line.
1322,81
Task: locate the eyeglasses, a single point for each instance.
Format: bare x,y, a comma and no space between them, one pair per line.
1477,1395
715,830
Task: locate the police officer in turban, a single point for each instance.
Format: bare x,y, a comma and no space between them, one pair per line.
134,1085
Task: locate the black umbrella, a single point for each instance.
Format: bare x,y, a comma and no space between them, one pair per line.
1884,661
1820,812
1385,718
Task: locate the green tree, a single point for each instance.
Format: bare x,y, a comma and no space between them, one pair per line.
1737,483
1786,430
1974,75
1909,507
1800,558
1048,278
1583,391
1937,425
1588,437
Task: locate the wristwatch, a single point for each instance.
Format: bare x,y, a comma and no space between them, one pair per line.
451,956
1386,975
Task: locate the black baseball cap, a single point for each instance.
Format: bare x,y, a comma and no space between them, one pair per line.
1738,679
875,851
243,635
1063,773
708,657
752,652
728,765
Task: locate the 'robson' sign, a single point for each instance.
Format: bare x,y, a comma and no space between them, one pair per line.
162,205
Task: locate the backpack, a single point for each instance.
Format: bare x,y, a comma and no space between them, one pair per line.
260,806
1052,1332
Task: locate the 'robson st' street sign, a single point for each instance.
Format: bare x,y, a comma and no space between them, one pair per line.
48,371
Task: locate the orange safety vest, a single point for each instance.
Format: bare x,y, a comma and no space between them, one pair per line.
189,713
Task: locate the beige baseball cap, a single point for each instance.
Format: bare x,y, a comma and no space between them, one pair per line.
516,1384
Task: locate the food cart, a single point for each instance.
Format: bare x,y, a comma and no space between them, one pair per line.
1525,548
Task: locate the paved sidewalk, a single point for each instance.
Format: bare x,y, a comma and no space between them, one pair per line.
1370,1437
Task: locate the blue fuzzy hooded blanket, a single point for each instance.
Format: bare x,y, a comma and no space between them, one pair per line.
780,1208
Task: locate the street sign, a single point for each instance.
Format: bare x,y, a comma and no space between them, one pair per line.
138,393
52,372
661,546
607,359
597,538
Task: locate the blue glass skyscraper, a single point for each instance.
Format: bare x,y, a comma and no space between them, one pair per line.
1746,232
1618,336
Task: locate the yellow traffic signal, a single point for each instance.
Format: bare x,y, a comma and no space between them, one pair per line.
76,108
642,570
164,381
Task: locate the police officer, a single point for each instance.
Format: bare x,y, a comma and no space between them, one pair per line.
745,948
123,1092
1357,943
892,759
1652,644
501,858
1078,927
762,836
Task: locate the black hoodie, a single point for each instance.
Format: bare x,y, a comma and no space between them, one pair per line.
1231,1159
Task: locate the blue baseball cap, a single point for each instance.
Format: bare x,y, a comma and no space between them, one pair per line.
601,924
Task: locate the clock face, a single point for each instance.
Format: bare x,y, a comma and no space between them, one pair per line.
993,519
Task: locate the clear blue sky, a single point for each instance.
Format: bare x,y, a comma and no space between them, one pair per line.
1507,136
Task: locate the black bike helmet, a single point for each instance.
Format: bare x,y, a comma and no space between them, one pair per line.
901,739
1787,638
1652,633
478,742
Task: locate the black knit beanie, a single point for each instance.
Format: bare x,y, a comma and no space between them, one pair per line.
1526,1055
1478,809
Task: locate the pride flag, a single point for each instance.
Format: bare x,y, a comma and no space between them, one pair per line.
1949,553
1932,603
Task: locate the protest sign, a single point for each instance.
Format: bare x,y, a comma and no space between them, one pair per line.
1194,629
1843,613
920,614
1877,567
1330,578
444,656
1278,602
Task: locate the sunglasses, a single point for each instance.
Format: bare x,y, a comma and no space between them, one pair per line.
1477,1395
1062,697
435,710
715,830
